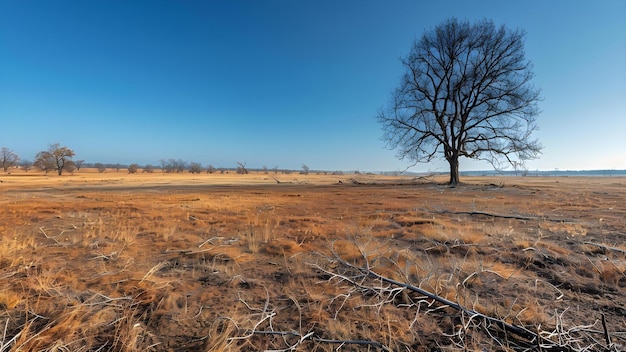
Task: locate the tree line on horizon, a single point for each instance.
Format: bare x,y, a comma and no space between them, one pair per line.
61,159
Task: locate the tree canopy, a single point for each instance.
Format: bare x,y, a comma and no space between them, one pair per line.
466,92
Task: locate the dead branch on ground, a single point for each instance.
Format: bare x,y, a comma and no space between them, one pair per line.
366,281
609,248
501,216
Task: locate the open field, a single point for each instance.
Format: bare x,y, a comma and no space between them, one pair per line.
181,262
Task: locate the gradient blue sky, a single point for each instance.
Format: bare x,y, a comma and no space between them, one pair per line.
283,82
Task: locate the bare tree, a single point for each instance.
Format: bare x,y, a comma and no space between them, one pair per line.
305,169
148,169
100,167
180,165
26,165
173,165
8,158
195,168
78,164
210,169
241,168
56,157
133,168
466,92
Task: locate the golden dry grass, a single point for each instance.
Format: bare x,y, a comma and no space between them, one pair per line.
170,262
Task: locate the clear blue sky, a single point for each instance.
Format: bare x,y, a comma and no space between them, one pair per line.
283,82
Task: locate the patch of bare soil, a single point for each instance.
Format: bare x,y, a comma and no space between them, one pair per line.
320,263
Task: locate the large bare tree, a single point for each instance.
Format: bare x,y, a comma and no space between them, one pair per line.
56,157
466,92
8,158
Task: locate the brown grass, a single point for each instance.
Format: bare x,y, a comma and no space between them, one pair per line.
167,262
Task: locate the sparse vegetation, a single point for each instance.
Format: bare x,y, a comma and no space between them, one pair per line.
183,264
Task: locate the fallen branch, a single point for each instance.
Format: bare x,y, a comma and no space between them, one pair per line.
518,330
515,335
502,216
615,249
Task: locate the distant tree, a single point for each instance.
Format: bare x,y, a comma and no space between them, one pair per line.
133,168
26,165
180,165
8,158
56,157
173,165
466,92
78,164
195,168
305,169
210,169
265,169
70,166
117,167
241,168
163,165
275,169
148,169
100,167
44,164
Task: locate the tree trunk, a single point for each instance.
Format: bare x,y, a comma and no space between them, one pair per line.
454,171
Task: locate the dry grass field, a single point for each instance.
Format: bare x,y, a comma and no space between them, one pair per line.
162,262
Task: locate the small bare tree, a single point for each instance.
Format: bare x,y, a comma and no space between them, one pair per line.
195,168
305,169
8,158
26,165
56,157
241,168
100,167
133,168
